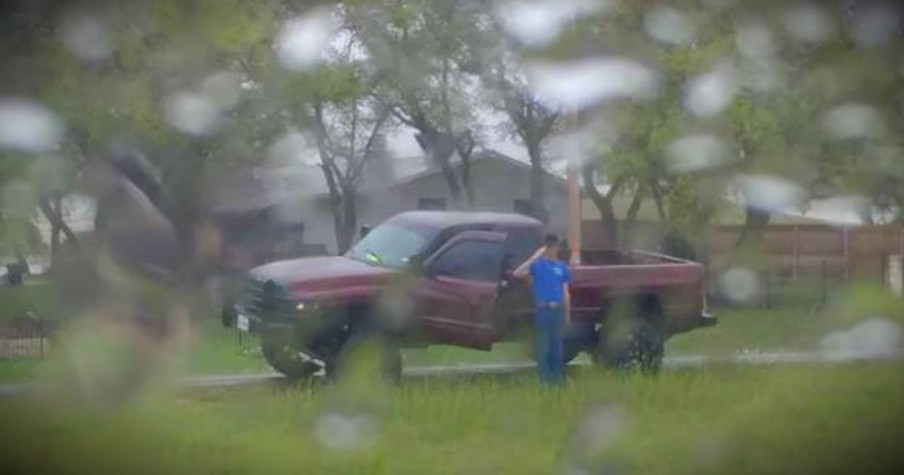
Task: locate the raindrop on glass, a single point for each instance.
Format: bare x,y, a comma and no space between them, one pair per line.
709,94
843,211
191,114
873,338
223,88
538,22
754,40
302,41
585,82
875,24
86,37
851,121
739,284
342,430
695,152
668,25
28,127
807,22
292,148
769,193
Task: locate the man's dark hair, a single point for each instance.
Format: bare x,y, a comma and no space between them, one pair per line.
551,240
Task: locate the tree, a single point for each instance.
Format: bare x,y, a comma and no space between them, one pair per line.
418,48
347,125
529,119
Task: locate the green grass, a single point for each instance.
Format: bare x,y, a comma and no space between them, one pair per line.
797,420
217,350
38,296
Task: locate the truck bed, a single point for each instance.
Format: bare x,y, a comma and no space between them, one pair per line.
677,284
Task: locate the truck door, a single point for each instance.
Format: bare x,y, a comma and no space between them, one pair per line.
515,303
457,294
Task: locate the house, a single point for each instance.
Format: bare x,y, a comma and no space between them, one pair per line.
297,198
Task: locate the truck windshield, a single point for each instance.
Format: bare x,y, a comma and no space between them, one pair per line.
392,245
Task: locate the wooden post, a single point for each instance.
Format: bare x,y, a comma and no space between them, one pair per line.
796,246
574,214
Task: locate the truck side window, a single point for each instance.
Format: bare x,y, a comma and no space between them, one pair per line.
520,244
471,260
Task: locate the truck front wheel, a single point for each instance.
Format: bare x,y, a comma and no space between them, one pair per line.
286,358
367,352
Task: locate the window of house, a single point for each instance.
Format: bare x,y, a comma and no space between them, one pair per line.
471,260
431,203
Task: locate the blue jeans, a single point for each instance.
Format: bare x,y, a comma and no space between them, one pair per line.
549,327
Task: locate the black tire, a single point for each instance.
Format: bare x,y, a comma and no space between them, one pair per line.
634,341
288,360
390,366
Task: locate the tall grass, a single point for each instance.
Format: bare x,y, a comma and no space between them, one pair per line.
727,421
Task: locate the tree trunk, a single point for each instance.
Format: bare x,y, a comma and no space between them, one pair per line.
751,234
346,233
440,147
335,201
603,205
536,175
55,217
630,223
466,180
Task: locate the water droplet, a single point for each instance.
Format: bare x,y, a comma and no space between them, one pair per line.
709,94
585,82
769,193
873,338
851,121
808,22
739,284
668,25
583,145
223,88
695,152
191,114
600,428
874,24
303,40
86,37
293,148
536,23
841,210
346,430
754,40
28,127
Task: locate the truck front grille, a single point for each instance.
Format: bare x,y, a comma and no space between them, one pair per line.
267,300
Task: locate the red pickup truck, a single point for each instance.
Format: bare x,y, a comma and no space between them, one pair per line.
432,277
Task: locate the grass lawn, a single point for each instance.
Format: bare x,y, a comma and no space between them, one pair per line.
820,420
225,351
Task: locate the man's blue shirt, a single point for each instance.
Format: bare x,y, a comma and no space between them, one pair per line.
548,277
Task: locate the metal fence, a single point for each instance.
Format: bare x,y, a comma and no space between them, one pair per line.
27,337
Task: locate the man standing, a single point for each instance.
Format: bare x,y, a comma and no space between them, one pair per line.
552,303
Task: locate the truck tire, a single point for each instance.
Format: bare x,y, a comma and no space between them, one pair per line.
364,344
287,360
634,341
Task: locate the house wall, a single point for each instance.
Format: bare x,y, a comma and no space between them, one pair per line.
497,184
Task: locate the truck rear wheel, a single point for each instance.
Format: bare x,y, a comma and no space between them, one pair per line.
286,358
632,337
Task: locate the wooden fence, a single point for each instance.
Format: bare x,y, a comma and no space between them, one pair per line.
790,249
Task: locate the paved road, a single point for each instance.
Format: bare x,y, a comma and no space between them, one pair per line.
670,363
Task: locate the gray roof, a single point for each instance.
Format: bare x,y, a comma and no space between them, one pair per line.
241,189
